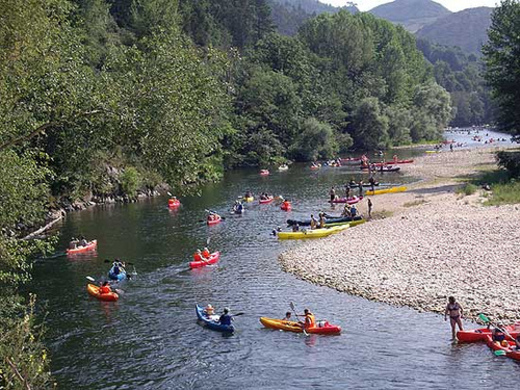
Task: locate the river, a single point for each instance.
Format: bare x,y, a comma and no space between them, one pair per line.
150,338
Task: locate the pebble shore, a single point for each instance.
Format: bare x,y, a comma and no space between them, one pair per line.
436,243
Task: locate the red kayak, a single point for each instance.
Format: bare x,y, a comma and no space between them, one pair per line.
92,245
214,220
213,259
266,201
510,350
475,335
353,200
264,172
95,291
174,202
286,206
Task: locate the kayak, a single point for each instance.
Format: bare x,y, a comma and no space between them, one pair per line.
510,350
386,191
322,327
92,245
266,201
264,172
384,168
476,335
248,199
213,259
432,151
351,223
328,220
238,211
119,277
211,322
283,168
174,202
286,207
94,290
316,233
354,186
352,200
215,221
315,167
388,163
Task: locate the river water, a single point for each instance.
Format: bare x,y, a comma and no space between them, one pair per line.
150,338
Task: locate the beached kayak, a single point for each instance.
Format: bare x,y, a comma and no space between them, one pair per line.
266,201
211,322
248,199
510,350
213,259
386,191
477,335
384,168
316,233
116,276
217,219
351,200
286,206
351,223
322,327
94,290
92,245
328,220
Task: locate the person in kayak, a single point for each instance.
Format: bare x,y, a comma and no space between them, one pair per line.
225,318
105,288
314,223
353,211
73,244
205,253
310,321
332,194
346,211
213,216
209,311
287,316
322,221
296,227
455,311
83,241
498,335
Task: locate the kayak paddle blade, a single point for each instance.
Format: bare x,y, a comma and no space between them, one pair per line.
500,353
484,318
90,279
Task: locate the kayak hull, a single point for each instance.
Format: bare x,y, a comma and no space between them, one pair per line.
92,245
323,327
266,201
510,350
211,323
316,233
352,200
328,221
213,259
174,203
392,190
94,291
479,335
248,199
215,221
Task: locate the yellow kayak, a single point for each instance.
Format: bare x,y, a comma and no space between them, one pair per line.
432,151
317,233
351,223
386,191
249,199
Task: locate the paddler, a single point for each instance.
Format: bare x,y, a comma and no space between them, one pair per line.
209,311
287,316
322,221
314,223
73,244
225,318
83,241
205,253
105,288
309,321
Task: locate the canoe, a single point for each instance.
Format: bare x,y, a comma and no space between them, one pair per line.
477,335
322,327
316,233
351,200
264,172
266,201
215,221
212,321
92,245
174,202
286,206
329,220
113,276
510,350
213,259
385,191
94,290
248,199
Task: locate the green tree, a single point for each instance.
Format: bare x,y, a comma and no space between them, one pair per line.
370,125
315,141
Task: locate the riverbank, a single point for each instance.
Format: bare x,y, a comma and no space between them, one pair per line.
426,244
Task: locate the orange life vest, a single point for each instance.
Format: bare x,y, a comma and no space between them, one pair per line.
206,254
310,322
196,257
105,290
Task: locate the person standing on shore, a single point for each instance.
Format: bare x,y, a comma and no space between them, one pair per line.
455,311
369,209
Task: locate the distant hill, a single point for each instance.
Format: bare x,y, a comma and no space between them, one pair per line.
465,29
289,15
411,14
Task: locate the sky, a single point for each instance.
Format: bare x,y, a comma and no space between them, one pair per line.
452,5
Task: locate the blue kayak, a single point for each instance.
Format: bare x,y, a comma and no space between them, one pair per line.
212,322
119,276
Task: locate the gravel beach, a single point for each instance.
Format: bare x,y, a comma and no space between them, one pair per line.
433,243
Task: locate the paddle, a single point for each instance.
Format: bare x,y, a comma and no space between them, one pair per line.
117,290
486,320
297,316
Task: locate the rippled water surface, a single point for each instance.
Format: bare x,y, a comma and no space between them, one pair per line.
150,338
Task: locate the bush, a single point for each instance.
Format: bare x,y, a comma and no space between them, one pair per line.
130,181
467,189
509,160
507,193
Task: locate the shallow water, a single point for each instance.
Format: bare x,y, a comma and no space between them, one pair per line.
150,338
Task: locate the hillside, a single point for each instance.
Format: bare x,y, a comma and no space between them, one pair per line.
465,29
289,15
411,14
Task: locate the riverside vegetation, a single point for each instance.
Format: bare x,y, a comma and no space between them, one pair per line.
104,97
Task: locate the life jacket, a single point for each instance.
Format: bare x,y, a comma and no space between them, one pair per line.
206,254
105,289
310,321
196,257
225,319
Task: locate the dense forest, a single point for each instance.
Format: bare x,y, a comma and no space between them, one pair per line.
102,97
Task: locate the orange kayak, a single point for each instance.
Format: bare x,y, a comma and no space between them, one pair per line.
94,290
322,327
92,245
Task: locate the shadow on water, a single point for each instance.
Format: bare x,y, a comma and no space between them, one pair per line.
150,338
